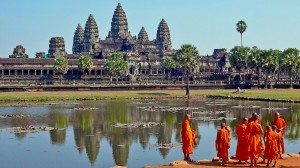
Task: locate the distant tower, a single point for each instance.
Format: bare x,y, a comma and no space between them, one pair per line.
143,36
163,38
91,36
78,40
19,52
57,47
119,25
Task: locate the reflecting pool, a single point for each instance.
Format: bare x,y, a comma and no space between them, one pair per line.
85,135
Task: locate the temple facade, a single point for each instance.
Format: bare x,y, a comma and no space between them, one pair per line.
145,56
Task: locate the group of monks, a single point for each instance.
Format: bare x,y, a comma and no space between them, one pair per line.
252,141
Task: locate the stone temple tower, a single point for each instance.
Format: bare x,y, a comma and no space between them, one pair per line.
57,47
163,38
119,25
143,36
78,40
91,36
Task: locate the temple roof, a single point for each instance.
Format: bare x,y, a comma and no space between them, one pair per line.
143,36
91,28
119,24
79,33
163,36
39,61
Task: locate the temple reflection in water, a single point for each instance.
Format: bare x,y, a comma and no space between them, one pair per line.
91,126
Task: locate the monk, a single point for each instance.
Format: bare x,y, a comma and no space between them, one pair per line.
222,143
252,118
188,138
280,123
242,137
254,141
271,141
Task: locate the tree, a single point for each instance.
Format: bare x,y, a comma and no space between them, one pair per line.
188,58
61,66
271,64
241,27
169,64
292,63
85,63
255,61
116,65
238,58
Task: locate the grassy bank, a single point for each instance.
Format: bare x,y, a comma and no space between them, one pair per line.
282,94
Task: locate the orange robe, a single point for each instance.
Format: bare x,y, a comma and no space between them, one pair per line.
271,142
242,136
188,137
281,125
222,143
254,141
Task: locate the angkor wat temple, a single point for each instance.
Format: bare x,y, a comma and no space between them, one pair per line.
145,56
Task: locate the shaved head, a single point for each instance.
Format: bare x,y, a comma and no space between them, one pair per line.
223,125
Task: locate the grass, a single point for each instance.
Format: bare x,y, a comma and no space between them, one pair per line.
287,94
275,94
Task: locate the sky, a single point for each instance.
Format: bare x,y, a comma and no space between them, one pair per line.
207,24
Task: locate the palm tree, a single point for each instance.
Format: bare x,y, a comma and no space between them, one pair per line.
169,64
292,63
85,63
238,59
188,58
270,65
241,27
61,66
255,61
116,65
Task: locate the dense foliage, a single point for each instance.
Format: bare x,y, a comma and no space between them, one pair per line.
61,66
116,65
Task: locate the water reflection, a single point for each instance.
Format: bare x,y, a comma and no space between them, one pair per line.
93,123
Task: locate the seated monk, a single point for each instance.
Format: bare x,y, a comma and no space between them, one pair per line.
254,142
242,137
222,143
188,138
280,123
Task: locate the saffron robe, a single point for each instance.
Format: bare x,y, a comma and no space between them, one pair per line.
242,144
271,143
188,137
222,143
255,144
281,125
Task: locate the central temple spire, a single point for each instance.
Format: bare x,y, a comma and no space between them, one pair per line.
119,25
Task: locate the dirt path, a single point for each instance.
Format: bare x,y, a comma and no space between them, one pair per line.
287,162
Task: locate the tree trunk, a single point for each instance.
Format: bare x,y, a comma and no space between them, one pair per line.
241,40
60,79
291,82
187,93
258,81
110,79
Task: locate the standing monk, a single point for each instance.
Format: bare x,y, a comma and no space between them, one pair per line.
188,138
280,123
271,141
222,143
242,145
255,144
252,118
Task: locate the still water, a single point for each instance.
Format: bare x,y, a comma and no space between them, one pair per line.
86,136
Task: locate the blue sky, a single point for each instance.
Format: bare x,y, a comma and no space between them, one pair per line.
207,24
